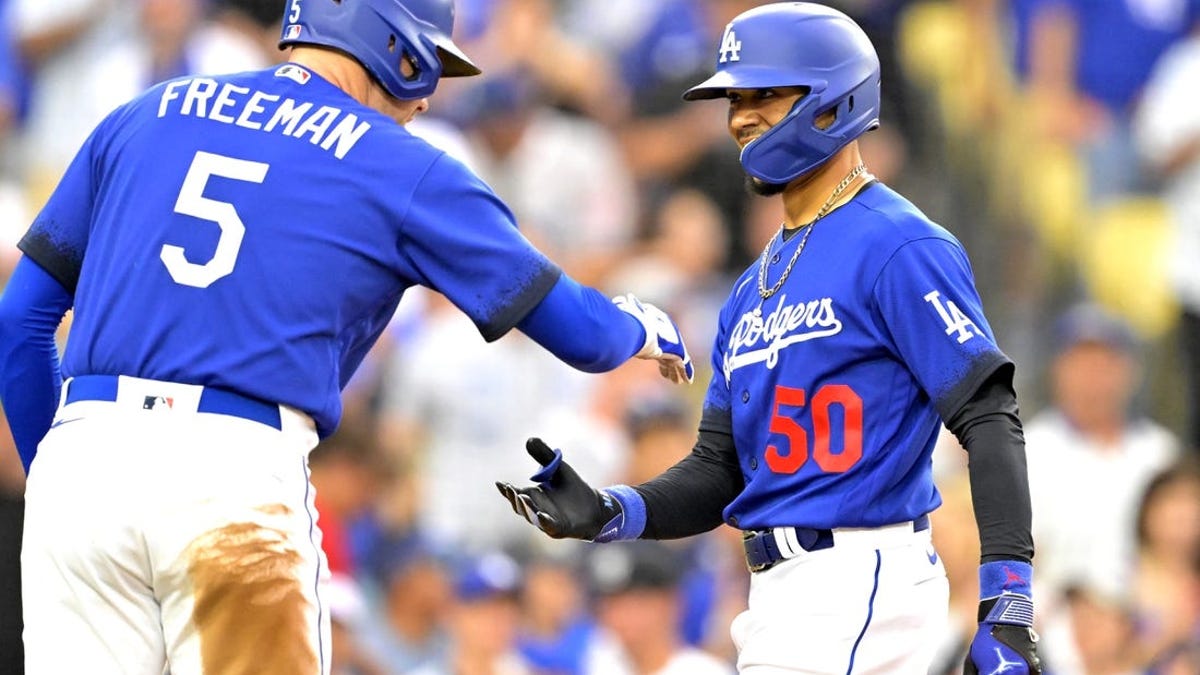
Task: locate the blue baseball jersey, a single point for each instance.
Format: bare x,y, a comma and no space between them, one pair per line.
255,232
835,386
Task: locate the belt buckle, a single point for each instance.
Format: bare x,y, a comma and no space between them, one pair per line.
753,538
759,568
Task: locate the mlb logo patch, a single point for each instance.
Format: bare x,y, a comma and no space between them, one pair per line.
158,403
293,72
293,32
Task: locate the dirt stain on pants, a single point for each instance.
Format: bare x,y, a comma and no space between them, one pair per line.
250,611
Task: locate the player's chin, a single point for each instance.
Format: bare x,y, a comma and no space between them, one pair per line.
762,188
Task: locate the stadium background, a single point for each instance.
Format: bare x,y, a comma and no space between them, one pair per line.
1042,133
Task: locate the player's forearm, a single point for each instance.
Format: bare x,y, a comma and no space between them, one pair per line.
31,308
690,497
990,430
583,328
1000,489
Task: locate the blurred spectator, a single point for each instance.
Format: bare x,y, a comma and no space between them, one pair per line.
88,56
681,267
343,471
558,632
256,20
506,388
1092,635
1090,454
722,558
652,44
659,49
563,175
662,432
637,585
347,611
1169,140
524,36
9,80
879,20
174,38
1086,62
406,628
714,581
60,43
1167,583
13,217
484,620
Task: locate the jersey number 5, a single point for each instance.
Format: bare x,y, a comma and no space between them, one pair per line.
795,453
192,202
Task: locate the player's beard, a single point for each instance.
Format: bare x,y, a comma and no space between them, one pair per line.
762,188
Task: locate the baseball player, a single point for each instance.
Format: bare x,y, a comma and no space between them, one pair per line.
839,355
232,246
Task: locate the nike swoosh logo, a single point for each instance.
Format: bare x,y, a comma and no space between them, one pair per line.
59,423
606,535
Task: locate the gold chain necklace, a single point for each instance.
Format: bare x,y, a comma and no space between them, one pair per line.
825,209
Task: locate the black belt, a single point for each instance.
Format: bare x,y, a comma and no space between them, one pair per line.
212,400
762,549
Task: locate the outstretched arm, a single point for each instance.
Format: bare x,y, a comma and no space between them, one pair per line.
685,500
31,308
579,325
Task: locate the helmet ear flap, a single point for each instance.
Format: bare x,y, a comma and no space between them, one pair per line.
384,35
791,148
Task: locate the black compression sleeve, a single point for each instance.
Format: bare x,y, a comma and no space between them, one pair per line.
688,498
989,427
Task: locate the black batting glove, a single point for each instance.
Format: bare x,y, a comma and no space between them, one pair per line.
561,504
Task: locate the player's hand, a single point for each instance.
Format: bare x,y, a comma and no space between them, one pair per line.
1005,642
561,504
663,341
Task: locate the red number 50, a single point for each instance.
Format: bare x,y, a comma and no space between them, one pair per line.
795,454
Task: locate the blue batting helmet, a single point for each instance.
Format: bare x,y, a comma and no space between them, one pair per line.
380,34
790,44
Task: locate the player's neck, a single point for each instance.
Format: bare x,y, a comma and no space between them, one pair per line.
804,197
335,67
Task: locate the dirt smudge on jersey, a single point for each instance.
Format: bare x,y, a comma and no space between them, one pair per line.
249,608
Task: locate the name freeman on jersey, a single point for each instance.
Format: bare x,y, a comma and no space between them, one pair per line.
755,339
330,128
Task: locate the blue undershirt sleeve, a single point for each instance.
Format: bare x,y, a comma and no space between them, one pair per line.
583,328
31,308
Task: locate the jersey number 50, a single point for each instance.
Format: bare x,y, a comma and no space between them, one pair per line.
795,453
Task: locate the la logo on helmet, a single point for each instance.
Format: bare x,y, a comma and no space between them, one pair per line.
730,46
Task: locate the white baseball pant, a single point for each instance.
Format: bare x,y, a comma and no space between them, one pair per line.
876,602
171,540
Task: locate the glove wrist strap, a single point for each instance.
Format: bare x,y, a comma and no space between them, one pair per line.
1005,576
1010,609
630,520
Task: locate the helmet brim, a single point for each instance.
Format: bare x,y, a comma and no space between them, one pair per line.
744,77
454,62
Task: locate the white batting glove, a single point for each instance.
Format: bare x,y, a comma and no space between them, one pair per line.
663,341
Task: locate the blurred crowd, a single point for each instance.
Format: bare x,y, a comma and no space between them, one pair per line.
1058,139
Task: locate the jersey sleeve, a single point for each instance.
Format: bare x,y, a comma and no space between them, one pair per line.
58,236
933,317
717,406
465,244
